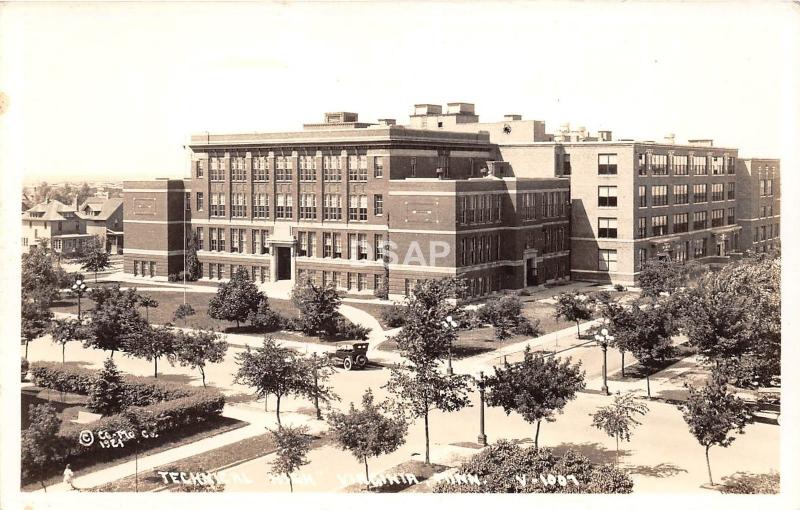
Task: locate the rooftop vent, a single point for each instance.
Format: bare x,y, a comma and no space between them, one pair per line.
669,138
427,109
705,142
512,116
387,122
467,108
340,117
604,136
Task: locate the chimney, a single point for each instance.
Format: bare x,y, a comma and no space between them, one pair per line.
75,203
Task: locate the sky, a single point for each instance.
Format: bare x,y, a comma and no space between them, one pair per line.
112,91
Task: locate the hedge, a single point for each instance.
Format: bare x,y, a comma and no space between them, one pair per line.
139,391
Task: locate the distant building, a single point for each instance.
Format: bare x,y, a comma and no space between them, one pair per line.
70,227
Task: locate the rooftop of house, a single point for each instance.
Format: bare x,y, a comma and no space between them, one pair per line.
99,209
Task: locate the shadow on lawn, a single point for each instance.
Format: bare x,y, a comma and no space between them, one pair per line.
663,470
595,452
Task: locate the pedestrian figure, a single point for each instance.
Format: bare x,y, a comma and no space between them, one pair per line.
69,476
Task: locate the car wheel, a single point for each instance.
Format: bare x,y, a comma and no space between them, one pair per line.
348,364
361,361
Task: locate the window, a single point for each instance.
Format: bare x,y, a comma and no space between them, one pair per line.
331,168
358,208
642,164
307,244
659,225
699,165
327,245
237,240
377,165
717,217
199,199
283,168
680,165
680,194
308,206
217,172
717,167
413,165
352,243
659,194
152,269
731,215
730,164
642,196
283,206
260,173
699,247
607,260
443,165
260,205
607,196
337,246
200,167
378,204
699,193
260,242
700,219
379,247
607,228
607,164
641,257
567,165
762,187
218,204
680,223
362,246
641,230
658,163
308,168
731,191
199,238
332,209
238,173
717,192
357,168
238,205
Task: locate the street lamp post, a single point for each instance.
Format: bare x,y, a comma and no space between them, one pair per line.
316,386
450,325
603,339
482,391
79,288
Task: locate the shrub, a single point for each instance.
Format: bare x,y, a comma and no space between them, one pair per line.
472,319
746,483
528,327
619,287
343,328
24,369
523,293
394,316
137,391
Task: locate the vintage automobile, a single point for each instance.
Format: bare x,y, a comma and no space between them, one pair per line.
350,355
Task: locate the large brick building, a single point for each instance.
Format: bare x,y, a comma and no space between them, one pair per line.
758,208
501,204
326,202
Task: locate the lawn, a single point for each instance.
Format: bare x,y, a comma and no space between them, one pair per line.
164,442
206,462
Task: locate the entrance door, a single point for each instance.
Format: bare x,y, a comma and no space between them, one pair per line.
530,270
283,256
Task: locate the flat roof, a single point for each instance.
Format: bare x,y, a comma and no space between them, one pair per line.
618,142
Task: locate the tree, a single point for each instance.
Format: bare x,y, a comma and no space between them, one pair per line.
293,444
368,431
573,307
318,305
659,276
618,419
95,257
712,413
647,332
196,349
64,331
84,192
507,467
536,388
113,318
275,370
147,302
427,335
264,317
235,299
41,444
108,392
504,313
733,318
192,269
421,388
40,279
182,312
151,343
616,319
35,320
